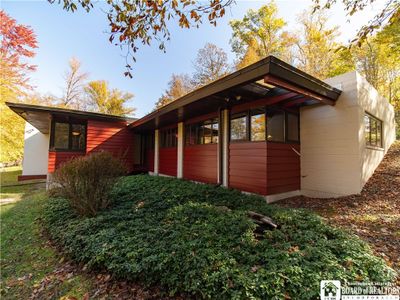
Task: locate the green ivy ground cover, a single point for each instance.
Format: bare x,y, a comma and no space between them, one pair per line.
177,234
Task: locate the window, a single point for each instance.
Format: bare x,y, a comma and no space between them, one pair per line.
168,137
373,131
276,126
292,127
239,127
68,136
202,133
271,124
257,125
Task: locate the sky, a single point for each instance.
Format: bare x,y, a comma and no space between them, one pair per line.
62,35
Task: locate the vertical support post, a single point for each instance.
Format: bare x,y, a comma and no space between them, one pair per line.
225,147
156,150
180,150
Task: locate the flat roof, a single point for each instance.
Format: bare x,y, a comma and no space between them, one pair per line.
267,78
218,93
39,116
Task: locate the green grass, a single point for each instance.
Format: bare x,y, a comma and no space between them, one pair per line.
25,257
197,239
10,175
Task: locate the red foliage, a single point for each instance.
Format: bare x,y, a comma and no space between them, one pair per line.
17,43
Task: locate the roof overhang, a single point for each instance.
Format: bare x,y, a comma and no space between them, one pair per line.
268,78
40,116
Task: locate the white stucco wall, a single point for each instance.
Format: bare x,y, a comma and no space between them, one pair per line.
334,159
378,106
36,151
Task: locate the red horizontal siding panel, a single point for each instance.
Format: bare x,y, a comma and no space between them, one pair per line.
248,166
168,161
200,163
114,137
283,168
56,158
31,177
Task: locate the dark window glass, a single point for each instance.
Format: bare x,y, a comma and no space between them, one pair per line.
239,127
215,132
168,138
202,133
68,136
207,133
275,126
373,131
78,135
257,125
61,135
292,127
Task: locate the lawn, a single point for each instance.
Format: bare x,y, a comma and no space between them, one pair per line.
197,240
9,175
26,258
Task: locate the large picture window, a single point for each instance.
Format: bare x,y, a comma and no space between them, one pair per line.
292,127
257,125
169,137
373,131
239,127
68,136
202,133
276,126
271,124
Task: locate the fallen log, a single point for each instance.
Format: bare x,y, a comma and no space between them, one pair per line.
261,218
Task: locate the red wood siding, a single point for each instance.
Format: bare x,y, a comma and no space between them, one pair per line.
57,158
200,163
114,137
283,168
31,177
248,166
168,161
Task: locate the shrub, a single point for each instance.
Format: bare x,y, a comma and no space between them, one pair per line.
169,232
86,181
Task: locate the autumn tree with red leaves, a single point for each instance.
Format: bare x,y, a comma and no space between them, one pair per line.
17,44
17,47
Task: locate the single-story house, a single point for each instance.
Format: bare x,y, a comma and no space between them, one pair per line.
268,128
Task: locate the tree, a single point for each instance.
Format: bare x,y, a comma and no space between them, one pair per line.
75,81
390,14
17,46
145,21
107,101
316,46
178,86
260,33
211,63
378,60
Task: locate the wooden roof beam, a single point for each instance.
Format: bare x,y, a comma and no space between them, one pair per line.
281,83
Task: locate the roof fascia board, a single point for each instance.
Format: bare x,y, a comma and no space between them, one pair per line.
66,112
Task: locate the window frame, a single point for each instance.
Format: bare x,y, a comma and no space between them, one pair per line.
287,127
248,114
168,137
239,115
70,123
198,128
379,124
